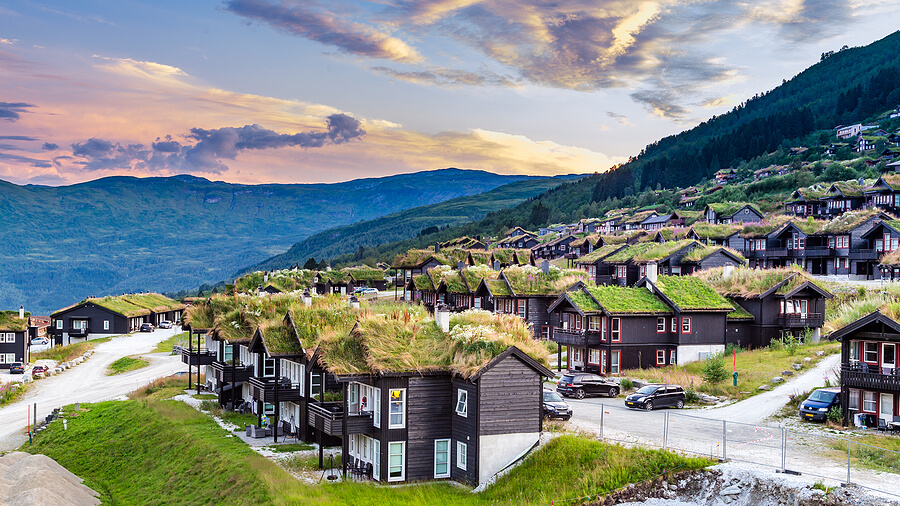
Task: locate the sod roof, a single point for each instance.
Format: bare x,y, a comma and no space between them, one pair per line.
639,216
280,338
673,234
498,287
746,282
848,221
506,256
530,280
708,231
115,304
407,340
336,277
423,282
701,252
480,257
891,258
10,321
807,194
598,254
739,313
451,278
765,227
730,208
415,258
846,188
154,302
627,300
892,181
286,280
648,251
691,294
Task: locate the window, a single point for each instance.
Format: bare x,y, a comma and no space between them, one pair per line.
685,325
615,356
887,355
676,270
673,355
660,325
521,310
869,401
621,271
59,324
614,331
545,332
461,455
603,362
376,458
269,367
843,241
477,303
441,458
462,402
853,400
594,356
674,325
870,352
353,393
660,357
577,355
643,271
854,351
594,323
397,408
396,460
376,407
105,324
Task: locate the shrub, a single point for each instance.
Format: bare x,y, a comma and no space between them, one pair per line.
691,396
835,414
730,348
714,370
626,384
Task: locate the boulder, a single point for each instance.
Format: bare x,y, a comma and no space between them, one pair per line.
765,387
39,375
820,353
787,373
807,359
797,367
777,379
732,490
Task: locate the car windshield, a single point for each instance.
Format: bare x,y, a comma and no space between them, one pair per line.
821,396
647,390
552,397
567,379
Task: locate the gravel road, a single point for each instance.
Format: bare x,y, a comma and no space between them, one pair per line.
88,382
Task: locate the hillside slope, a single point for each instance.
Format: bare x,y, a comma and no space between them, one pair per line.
117,234
407,224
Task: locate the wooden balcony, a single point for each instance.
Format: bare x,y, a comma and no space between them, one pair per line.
83,332
226,373
328,417
576,337
264,389
197,357
811,320
852,376
864,254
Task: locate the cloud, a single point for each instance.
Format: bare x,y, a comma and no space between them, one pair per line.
210,148
451,77
18,138
660,103
303,20
49,146
10,111
620,118
8,41
34,162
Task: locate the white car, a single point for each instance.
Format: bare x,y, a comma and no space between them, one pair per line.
165,324
367,291
40,340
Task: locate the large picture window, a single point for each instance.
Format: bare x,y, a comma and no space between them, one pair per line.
396,461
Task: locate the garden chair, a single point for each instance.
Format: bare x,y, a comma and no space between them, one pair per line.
881,425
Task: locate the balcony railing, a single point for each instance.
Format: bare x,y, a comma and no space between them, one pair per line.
865,254
264,389
328,417
197,357
800,320
868,377
576,337
223,372
81,332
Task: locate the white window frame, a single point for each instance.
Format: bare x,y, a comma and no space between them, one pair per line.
874,350
376,407
522,308
673,357
892,363
685,325
391,448
446,462
615,362
870,402
59,324
105,324
462,453
376,457
660,357
853,400
594,323
615,330
661,325
402,404
674,325
593,356
462,399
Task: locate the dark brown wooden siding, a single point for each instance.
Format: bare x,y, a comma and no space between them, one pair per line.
429,417
464,429
510,400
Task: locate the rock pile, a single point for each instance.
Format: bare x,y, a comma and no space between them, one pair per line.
27,479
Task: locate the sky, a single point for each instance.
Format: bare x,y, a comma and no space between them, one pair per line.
307,91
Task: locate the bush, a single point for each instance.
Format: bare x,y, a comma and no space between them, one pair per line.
835,414
730,348
714,370
626,384
691,396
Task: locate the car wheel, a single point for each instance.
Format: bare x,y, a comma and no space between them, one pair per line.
649,406
613,392
679,404
579,394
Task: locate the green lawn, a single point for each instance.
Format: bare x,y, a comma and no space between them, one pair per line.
126,364
167,345
754,368
151,451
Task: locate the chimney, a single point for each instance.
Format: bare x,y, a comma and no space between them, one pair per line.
487,246
442,317
727,271
460,265
307,298
545,266
437,247
496,265
354,302
21,312
266,277
652,271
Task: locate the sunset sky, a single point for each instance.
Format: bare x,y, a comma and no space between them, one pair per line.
259,91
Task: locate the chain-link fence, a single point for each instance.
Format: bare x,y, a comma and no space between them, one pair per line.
785,450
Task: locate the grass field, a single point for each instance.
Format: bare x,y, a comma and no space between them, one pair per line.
68,352
152,451
167,345
754,367
126,364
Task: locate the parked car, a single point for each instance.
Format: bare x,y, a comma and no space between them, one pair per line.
366,290
657,396
147,327
580,384
38,368
165,324
16,368
40,340
816,406
555,406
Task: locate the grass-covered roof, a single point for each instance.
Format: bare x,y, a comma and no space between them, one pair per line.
892,181
530,280
764,227
506,256
808,194
672,233
627,300
739,313
707,231
846,188
10,321
691,294
280,338
451,278
891,258
639,216
648,251
701,252
598,254
846,222
336,277
423,282
414,258
730,208
480,257
286,280
116,304
153,301
746,282
407,340
365,273
498,287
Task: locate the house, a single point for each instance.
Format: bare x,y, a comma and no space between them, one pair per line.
415,262
524,241
725,175
421,288
598,270
713,235
881,240
366,276
845,132
805,202
526,292
884,193
870,385
630,264
656,222
558,229
517,231
763,173
502,258
843,196
285,280
852,254
446,411
634,221
731,212
890,153
834,147
112,315
334,281
783,302
797,150
780,241
685,218
868,142
14,337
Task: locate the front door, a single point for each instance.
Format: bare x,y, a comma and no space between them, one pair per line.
888,358
886,408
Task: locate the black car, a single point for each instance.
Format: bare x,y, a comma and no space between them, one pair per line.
816,406
555,407
580,384
657,396
147,327
16,368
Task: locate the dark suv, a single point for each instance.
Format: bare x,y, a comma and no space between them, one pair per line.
580,384
16,368
816,406
555,407
657,396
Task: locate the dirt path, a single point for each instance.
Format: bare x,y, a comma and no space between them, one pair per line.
88,382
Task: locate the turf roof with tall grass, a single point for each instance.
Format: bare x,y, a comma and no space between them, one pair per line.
649,251
10,321
729,208
699,253
480,257
414,258
626,300
598,254
766,226
153,301
408,340
846,222
707,231
286,280
746,282
498,287
530,280
692,294
451,278
423,282
365,273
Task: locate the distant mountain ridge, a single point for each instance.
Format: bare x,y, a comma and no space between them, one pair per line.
121,234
